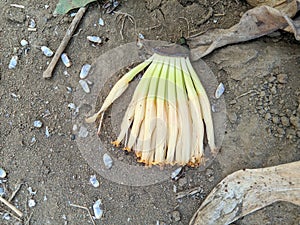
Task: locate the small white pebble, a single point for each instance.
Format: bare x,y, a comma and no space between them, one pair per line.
31,192
75,127
13,62
174,188
84,71
31,203
37,124
98,212
220,90
32,23
175,173
141,36
47,133
94,39
108,162
84,86
24,43
2,192
65,59
83,132
101,22
47,51
69,89
213,108
2,173
6,216
72,106
33,139
94,181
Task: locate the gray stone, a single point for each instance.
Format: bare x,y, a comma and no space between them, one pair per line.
271,79
232,117
176,215
182,181
273,90
280,131
282,78
276,120
262,93
295,121
274,111
268,116
232,102
285,121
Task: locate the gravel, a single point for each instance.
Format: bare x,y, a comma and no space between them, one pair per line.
285,121
282,78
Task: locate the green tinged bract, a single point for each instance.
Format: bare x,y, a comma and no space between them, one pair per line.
166,119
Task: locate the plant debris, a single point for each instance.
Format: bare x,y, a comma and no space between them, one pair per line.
237,195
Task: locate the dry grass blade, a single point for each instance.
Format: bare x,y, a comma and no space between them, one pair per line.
119,88
205,107
150,116
161,117
140,108
172,114
246,191
197,151
85,208
184,143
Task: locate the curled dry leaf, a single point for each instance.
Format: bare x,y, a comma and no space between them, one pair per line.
294,26
246,191
286,7
255,23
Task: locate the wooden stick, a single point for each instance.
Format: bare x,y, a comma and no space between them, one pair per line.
12,207
48,72
85,208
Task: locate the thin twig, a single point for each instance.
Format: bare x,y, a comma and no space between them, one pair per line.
15,192
48,72
100,123
206,17
12,207
154,27
190,192
188,25
216,3
11,214
123,17
79,31
17,6
247,93
28,219
85,208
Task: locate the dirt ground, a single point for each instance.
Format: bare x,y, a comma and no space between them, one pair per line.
262,97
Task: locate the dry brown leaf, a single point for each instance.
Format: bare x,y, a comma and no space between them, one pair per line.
254,23
246,191
294,26
287,7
